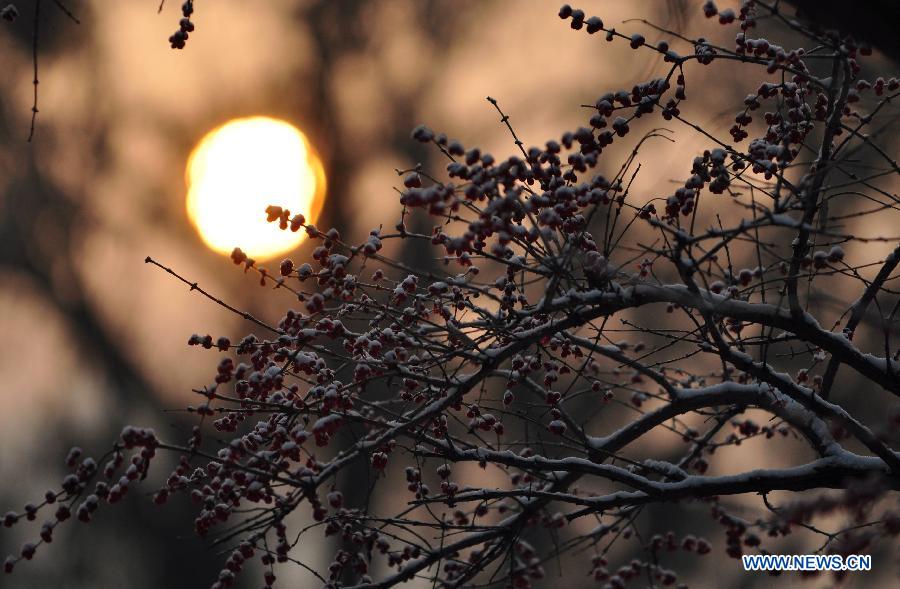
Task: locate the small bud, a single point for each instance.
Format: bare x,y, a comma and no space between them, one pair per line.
557,427
413,180
594,25
422,134
9,13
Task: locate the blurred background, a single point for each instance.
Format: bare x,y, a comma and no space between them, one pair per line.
91,338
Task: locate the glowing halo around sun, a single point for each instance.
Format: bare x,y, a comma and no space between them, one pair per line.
240,168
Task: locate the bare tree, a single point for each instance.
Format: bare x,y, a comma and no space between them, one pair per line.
573,320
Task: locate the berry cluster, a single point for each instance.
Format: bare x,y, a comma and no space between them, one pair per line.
75,495
185,26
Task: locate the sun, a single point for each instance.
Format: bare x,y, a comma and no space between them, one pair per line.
240,168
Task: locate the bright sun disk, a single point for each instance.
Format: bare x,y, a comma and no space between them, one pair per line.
240,168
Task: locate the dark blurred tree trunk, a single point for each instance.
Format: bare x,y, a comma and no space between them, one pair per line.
338,34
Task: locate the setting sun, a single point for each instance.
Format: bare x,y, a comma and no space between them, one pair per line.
240,168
